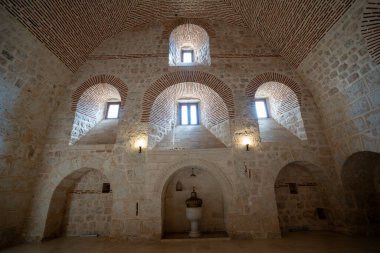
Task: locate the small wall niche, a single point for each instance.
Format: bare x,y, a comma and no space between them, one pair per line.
106,188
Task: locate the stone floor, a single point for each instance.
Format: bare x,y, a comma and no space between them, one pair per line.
293,242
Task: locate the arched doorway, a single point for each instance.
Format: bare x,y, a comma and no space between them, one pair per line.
178,188
361,184
300,201
80,205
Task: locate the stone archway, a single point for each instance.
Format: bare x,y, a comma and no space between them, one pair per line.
361,185
227,188
67,215
178,189
300,199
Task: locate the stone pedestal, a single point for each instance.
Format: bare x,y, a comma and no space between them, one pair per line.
194,214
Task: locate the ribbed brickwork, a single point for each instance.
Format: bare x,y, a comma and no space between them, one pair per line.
282,98
212,108
186,76
193,37
73,30
292,27
271,77
371,29
171,25
120,86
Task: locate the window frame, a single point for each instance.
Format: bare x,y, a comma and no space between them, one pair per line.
265,100
188,105
107,108
187,50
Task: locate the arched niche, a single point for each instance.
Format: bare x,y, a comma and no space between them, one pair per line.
80,205
301,199
165,131
89,103
173,202
189,38
361,184
283,108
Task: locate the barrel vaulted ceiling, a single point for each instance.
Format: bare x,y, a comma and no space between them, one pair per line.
72,29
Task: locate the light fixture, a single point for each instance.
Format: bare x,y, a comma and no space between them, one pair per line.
246,141
140,144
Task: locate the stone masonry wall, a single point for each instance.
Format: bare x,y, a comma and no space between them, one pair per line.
88,210
298,211
247,178
31,78
207,189
345,83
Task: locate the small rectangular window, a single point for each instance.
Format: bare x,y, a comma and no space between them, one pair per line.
188,114
261,108
113,109
187,56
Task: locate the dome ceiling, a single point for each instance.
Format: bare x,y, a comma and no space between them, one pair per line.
73,29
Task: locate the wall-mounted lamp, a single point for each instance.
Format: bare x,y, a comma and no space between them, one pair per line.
140,144
246,142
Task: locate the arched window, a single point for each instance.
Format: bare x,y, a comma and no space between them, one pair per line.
189,45
99,102
278,102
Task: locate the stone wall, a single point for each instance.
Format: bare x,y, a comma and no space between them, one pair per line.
140,177
207,188
31,81
344,81
297,211
88,210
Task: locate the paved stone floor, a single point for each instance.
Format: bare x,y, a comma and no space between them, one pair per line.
293,242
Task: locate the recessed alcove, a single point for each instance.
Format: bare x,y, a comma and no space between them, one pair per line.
300,200
361,183
210,130
175,223
81,205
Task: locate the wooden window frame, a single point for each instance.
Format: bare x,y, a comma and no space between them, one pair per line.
188,113
108,105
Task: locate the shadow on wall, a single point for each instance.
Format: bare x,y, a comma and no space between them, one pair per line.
178,188
80,205
300,200
361,184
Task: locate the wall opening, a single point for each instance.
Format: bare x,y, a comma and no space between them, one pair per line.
210,130
284,119
91,114
300,201
80,205
189,45
361,184
174,207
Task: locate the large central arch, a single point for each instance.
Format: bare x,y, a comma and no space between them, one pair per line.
173,78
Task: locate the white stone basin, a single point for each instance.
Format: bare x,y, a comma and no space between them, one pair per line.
194,214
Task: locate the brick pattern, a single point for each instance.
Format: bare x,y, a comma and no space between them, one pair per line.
271,77
284,107
193,37
371,29
301,25
72,31
114,81
171,25
170,79
163,117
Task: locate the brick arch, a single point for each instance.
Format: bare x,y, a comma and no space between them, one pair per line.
170,79
170,26
112,80
252,87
